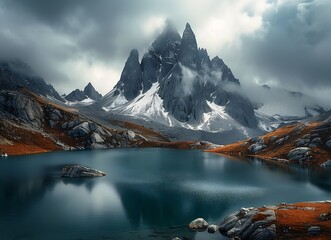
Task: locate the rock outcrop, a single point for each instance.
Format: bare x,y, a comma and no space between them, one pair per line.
90,92
79,171
250,223
79,95
22,108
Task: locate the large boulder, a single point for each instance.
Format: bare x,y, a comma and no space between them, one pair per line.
79,171
299,154
198,224
245,225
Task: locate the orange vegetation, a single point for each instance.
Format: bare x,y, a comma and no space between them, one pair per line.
275,151
146,132
176,145
293,220
24,141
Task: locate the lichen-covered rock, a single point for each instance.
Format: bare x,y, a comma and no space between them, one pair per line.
198,224
245,224
79,171
325,216
256,147
299,154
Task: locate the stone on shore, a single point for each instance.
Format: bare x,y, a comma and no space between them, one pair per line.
198,224
212,228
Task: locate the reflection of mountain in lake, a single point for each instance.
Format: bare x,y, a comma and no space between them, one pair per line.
155,205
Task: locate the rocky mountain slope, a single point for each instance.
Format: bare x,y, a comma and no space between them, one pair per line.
89,94
178,85
305,143
17,74
32,124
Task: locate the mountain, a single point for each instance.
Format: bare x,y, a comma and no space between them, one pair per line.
17,74
177,84
88,93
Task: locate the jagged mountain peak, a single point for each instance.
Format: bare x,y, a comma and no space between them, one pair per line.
130,82
169,35
177,82
89,93
188,54
188,26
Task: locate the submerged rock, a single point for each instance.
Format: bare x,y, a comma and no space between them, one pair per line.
198,224
79,171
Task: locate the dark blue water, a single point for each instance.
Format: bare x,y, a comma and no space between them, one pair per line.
147,193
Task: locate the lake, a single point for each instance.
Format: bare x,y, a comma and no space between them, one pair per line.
147,193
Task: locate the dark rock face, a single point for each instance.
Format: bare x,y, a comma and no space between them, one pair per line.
76,95
242,224
130,82
188,54
24,109
187,79
169,36
79,171
16,74
150,65
90,91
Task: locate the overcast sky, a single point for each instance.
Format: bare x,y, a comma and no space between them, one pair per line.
285,43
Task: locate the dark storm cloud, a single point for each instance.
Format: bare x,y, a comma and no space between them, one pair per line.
71,42
295,50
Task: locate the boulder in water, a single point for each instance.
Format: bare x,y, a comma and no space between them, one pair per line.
79,171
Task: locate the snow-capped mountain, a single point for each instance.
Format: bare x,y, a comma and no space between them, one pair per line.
177,84
87,96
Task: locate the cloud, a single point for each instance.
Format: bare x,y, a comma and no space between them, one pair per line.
285,43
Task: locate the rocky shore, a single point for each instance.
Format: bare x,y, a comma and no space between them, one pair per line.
306,220
308,144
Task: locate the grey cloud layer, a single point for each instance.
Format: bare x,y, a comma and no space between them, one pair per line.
292,49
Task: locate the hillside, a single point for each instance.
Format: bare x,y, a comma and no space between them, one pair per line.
32,124
301,143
